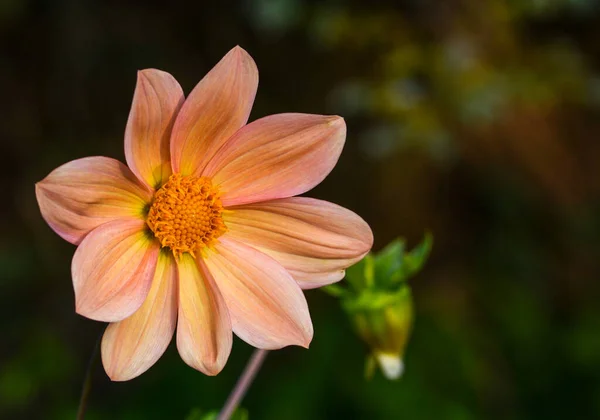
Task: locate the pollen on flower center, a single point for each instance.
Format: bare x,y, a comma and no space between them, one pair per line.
186,214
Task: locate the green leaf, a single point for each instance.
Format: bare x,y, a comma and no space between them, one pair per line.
388,261
412,262
415,259
361,274
355,274
198,414
382,272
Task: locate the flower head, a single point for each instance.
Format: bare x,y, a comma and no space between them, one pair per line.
201,232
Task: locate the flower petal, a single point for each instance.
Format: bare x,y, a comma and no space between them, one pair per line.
204,335
313,239
267,308
156,102
130,347
81,195
113,269
217,107
276,157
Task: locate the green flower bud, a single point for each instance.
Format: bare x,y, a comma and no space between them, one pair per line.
379,303
384,322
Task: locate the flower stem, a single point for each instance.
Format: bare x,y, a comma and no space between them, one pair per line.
243,383
87,381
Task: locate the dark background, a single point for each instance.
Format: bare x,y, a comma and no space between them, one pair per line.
478,120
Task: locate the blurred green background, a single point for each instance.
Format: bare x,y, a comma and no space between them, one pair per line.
476,119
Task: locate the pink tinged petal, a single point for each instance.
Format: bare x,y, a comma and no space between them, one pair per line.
79,196
267,308
130,347
313,239
276,157
217,107
113,269
156,102
204,335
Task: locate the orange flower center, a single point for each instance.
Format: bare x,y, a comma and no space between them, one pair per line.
186,214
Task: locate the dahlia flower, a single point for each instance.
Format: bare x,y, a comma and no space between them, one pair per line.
201,233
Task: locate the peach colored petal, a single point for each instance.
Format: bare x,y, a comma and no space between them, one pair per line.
217,107
267,308
204,335
81,195
314,240
276,157
112,270
130,347
156,102
310,273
